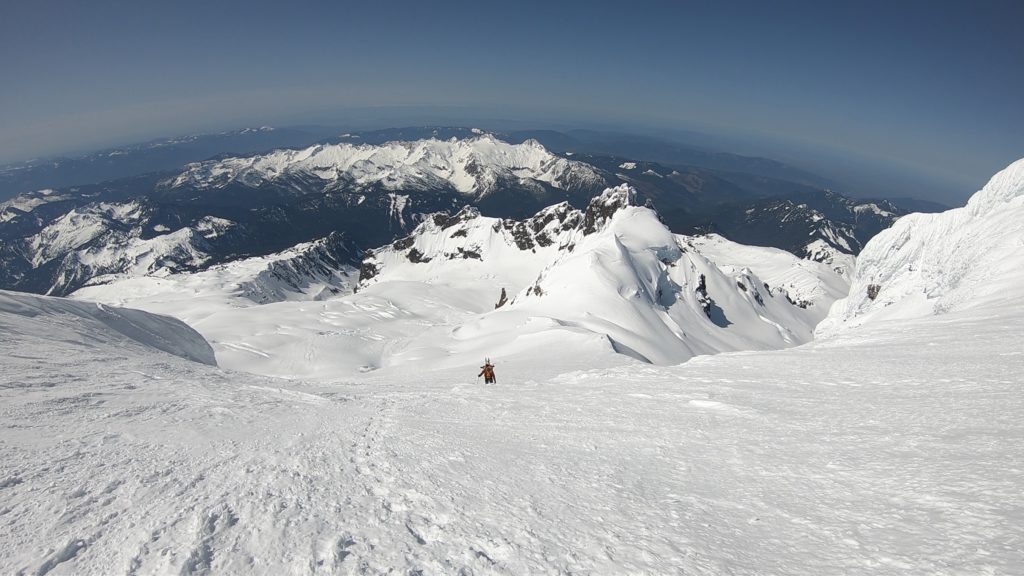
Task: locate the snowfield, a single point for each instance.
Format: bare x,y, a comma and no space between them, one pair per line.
892,444
896,448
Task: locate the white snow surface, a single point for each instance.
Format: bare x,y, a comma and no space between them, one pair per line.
929,264
895,449
471,166
635,284
86,325
630,286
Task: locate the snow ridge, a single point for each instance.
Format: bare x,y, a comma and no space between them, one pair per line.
92,324
612,276
312,270
929,264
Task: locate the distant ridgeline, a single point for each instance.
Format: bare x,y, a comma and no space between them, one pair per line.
364,191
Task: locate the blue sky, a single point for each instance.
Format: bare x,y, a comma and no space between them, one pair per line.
933,86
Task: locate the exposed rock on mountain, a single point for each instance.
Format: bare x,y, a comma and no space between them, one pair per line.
616,271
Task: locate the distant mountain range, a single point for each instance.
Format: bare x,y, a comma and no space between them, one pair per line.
171,154
154,156
371,188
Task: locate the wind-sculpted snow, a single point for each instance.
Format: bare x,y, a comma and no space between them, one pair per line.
89,325
471,166
936,263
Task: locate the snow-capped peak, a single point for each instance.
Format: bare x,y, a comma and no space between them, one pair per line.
472,166
606,205
612,271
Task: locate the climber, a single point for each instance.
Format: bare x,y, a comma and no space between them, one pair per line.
487,371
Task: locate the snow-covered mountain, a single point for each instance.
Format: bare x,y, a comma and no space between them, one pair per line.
610,278
109,238
214,212
821,225
890,449
25,203
219,211
613,272
165,154
937,263
311,271
475,166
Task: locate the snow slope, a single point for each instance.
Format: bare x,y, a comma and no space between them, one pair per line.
471,166
809,282
894,449
84,325
937,263
647,291
612,275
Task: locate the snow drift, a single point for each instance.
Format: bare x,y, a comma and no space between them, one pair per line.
90,324
937,263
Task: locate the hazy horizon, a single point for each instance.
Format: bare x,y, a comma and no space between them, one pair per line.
928,88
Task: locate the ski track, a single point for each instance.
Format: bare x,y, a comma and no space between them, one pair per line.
867,455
